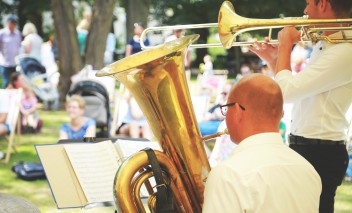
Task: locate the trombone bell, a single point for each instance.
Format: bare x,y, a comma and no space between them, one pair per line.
230,25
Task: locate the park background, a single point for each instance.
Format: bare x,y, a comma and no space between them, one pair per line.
58,19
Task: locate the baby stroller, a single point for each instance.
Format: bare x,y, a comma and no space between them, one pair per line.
97,104
35,74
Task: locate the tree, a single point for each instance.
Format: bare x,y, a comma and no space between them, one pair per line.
101,23
31,11
65,26
189,12
69,57
136,11
27,11
6,8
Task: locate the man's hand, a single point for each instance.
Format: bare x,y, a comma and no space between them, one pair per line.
289,36
265,51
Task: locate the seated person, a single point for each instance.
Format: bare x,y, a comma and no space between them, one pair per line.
134,124
213,117
29,117
5,117
4,109
207,67
79,126
245,70
262,174
17,81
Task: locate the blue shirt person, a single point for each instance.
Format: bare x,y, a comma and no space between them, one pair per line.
79,126
133,45
10,44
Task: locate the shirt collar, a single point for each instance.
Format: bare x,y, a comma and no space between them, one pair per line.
340,34
337,35
259,139
8,31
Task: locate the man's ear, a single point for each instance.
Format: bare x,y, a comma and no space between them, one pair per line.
239,114
323,5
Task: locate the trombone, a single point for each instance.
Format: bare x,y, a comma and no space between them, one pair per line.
178,27
230,25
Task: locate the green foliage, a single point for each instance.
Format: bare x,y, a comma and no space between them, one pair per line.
37,6
206,11
5,8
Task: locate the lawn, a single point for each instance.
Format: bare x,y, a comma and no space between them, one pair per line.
38,192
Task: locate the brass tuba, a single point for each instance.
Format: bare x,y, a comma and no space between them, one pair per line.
156,78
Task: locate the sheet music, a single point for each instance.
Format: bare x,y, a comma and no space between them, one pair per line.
95,166
127,148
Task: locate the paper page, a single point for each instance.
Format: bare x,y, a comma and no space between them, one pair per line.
95,166
59,173
127,148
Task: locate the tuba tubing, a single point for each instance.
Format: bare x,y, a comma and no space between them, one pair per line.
156,78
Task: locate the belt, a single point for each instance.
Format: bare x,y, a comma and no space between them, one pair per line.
299,140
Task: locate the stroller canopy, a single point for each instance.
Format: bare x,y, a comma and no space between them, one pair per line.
31,65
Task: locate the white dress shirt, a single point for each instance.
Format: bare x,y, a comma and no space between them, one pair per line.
263,175
321,93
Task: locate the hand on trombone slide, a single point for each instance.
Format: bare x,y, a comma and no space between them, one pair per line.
265,51
269,53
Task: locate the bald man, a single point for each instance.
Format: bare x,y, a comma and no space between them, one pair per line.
262,174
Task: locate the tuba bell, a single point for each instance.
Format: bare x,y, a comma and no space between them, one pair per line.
156,78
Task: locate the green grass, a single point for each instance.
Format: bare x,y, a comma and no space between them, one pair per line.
38,192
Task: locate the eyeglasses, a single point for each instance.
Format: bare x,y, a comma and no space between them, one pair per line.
224,108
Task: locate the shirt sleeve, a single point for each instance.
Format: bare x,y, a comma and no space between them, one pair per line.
91,122
64,128
130,42
146,42
223,191
330,70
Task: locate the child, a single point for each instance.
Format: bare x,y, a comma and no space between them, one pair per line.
28,107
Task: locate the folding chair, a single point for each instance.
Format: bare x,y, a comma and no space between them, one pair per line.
13,120
120,109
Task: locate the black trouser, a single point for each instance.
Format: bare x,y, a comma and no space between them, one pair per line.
330,161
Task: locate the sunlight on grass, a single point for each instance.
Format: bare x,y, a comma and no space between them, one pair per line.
38,192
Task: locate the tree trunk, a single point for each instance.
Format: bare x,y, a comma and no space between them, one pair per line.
66,34
201,52
136,11
101,23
